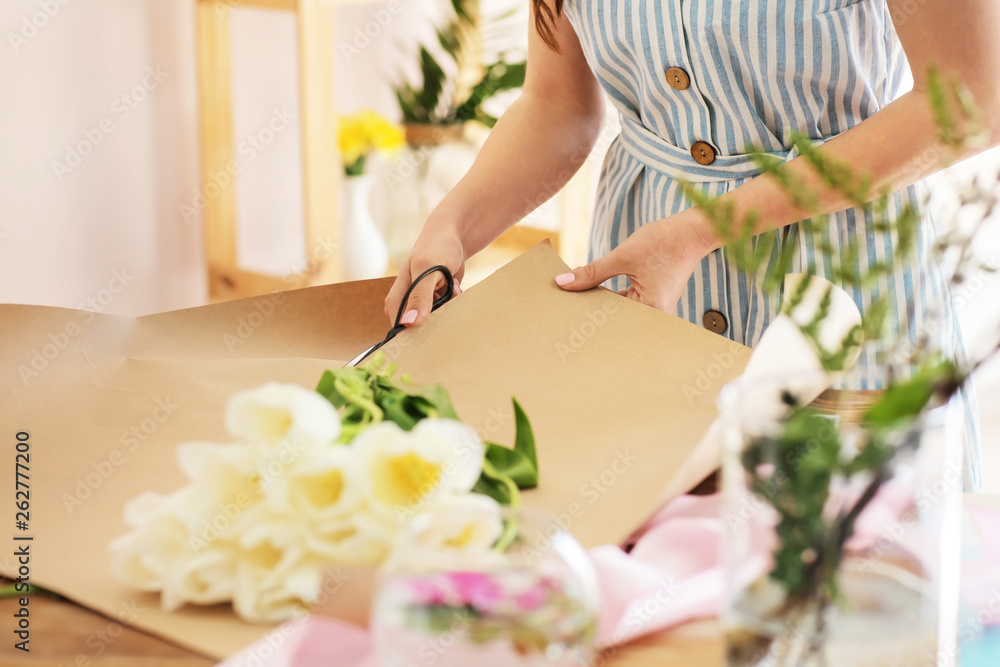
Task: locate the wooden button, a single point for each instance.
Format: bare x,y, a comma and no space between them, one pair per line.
703,153
678,79
714,321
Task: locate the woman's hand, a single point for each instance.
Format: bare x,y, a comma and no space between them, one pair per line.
437,244
658,259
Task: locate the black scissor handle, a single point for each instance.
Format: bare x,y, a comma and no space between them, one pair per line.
438,302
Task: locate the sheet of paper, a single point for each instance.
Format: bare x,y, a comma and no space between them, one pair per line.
618,394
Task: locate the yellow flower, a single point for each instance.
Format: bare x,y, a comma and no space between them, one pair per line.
366,131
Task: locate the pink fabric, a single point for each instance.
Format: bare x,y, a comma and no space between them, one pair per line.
310,641
671,576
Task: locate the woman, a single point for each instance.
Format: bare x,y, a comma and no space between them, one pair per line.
695,82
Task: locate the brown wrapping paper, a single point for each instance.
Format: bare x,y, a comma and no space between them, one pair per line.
618,395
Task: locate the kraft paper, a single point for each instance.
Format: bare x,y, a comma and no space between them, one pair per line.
618,393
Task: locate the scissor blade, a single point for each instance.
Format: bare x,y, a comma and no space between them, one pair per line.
357,359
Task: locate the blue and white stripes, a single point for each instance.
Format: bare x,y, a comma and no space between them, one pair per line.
759,71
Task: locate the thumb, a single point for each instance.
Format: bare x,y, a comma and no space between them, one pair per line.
590,275
419,305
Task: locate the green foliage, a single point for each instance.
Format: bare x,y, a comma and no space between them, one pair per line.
934,383
16,591
438,99
368,394
498,78
794,472
955,114
521,462
421,105
356,168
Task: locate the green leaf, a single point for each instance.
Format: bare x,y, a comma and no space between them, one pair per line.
520,464
401,411
497,485
513,464
408,104
434,395
524,439
434,77
907,399
493,488
356,168
448,39
326,390
461,11
485,119
497,78
368,394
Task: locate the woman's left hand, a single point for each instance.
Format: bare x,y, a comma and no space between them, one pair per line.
658,259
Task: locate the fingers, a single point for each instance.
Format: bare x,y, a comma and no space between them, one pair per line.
442,287
396,292
590,275
421,301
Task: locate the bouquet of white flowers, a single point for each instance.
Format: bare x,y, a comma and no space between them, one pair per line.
317,479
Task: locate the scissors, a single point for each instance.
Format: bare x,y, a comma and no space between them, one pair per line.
449,292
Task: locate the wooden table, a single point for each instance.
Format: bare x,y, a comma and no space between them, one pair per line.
64,634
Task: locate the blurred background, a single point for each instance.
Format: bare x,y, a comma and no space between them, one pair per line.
114,110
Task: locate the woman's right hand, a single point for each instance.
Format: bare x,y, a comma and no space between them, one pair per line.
437,244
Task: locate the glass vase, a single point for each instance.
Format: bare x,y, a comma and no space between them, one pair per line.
841,539
434,160
530,599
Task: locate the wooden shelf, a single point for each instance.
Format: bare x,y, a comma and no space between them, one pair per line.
321,168
321,162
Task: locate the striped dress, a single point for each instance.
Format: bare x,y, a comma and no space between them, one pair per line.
697,82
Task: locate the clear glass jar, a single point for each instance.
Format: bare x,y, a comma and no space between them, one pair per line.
433,161
533,602
841,541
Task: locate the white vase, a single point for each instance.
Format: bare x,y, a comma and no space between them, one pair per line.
364,250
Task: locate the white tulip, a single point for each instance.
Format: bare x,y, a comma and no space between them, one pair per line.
460,522
321,486
273,584
263,524
463,443
403,470
357,540
263,518
282,412
455,531
142,557
225,483
205,576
